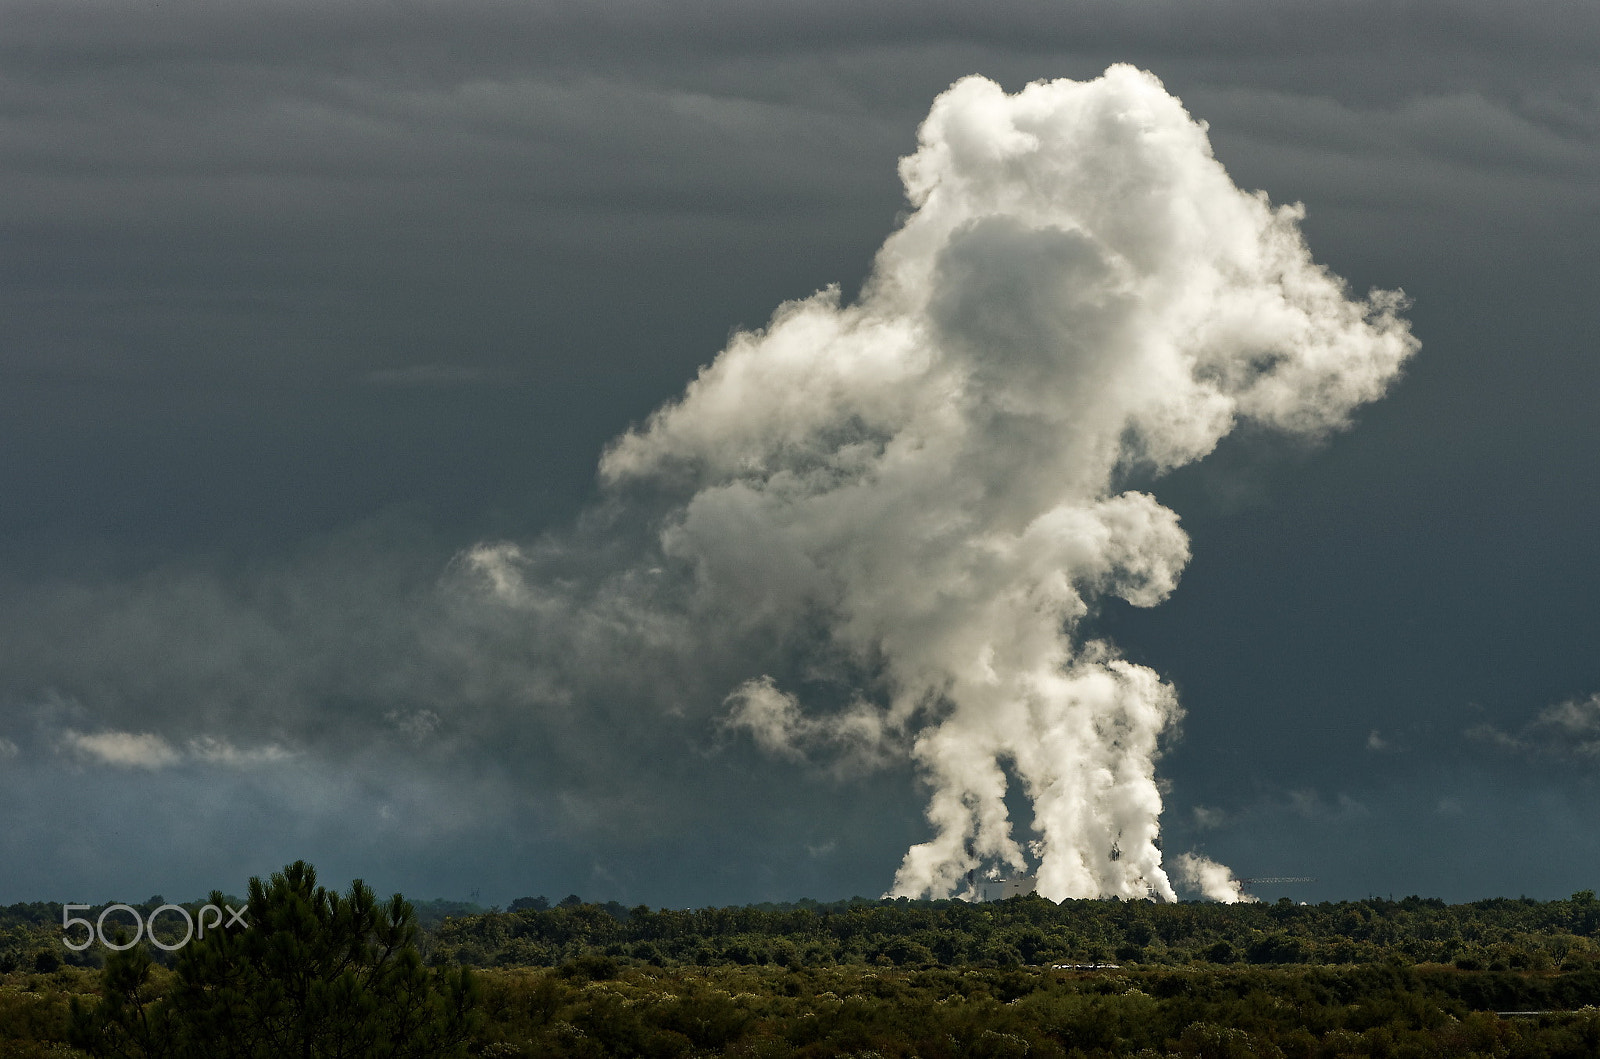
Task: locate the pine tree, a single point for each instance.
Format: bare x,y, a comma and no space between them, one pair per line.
310,973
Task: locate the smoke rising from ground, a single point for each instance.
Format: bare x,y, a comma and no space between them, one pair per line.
924,484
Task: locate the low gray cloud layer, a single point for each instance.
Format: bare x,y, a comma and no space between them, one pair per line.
1566,731
303,301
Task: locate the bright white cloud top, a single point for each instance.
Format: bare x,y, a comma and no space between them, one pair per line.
930,474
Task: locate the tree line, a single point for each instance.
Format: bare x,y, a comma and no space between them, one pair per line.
1499,934
310,971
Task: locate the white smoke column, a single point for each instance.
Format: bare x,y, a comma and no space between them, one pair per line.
1214,881
1080,289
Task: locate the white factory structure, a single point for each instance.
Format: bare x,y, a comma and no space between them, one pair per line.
1002,889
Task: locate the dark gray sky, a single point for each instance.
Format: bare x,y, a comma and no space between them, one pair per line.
300,300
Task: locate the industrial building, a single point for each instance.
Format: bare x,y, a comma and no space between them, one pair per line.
1001,889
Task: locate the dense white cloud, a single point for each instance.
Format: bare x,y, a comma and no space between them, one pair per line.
932,470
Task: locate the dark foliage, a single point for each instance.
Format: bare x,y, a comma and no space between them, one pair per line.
1243,1011
1495,935
1512,979
310,973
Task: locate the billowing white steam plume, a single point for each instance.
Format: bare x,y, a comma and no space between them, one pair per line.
1213,880
929,472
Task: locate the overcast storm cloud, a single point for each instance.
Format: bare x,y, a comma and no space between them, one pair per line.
927,480
317,317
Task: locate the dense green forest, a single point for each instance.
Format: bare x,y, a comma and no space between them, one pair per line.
1381,978
1499,934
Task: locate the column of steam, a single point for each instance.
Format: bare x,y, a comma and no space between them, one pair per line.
929,472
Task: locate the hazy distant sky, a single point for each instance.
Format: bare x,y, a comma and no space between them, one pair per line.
300,301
